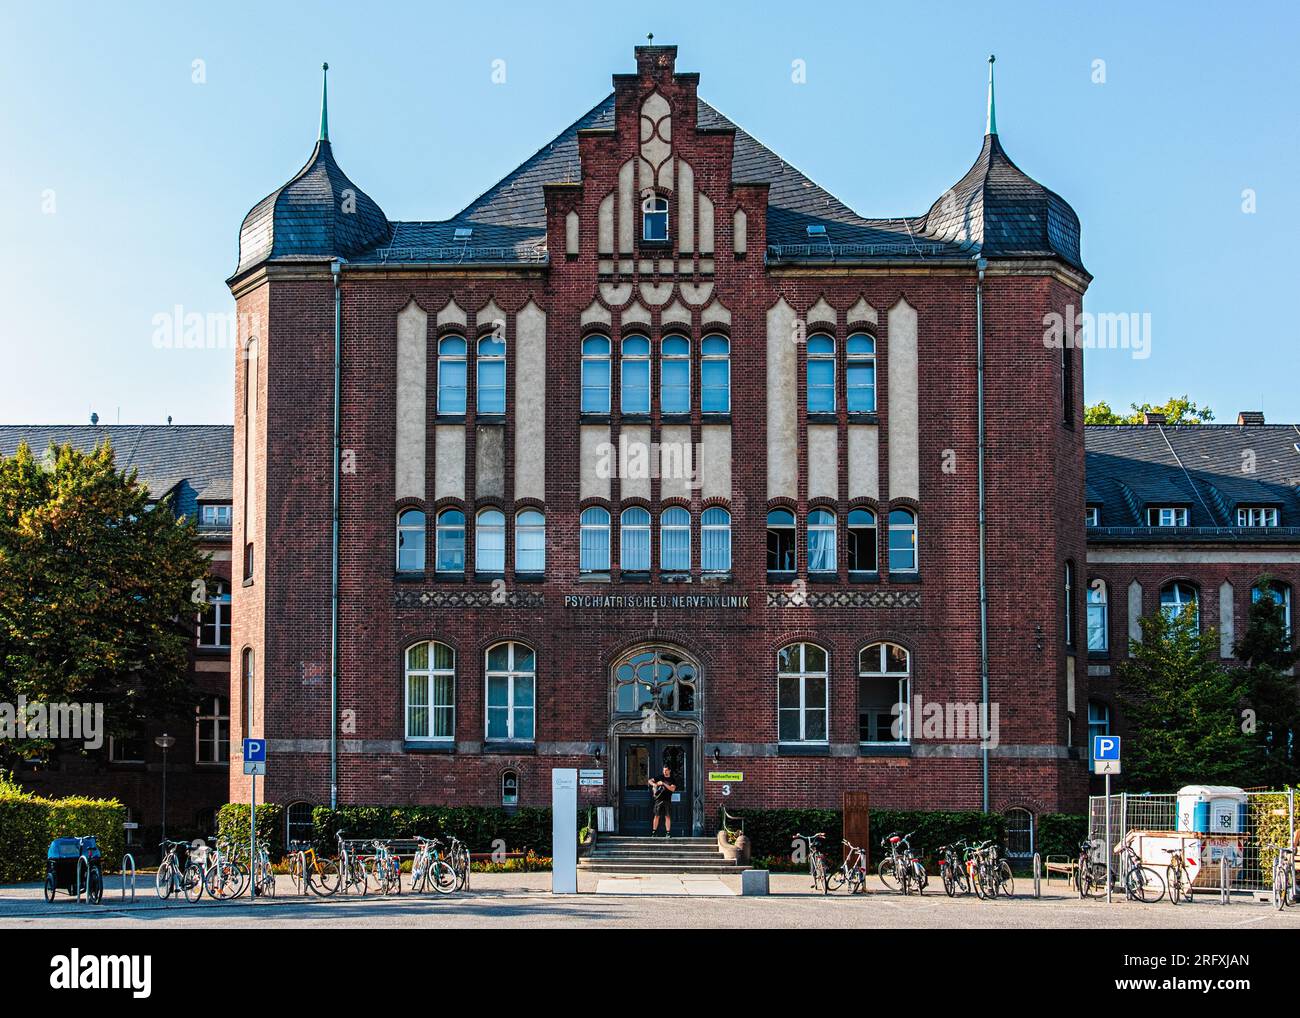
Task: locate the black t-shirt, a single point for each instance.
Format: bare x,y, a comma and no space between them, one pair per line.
662,792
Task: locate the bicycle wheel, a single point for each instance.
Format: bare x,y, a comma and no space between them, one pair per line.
164,879
192,881
95,886
836,879
1006,882
1174,882
959,878
1145,885
50,887
444,877
949,882
919,876
1279,886
323,878
887,875
461,864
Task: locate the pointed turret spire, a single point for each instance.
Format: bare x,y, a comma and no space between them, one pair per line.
324,102
991,125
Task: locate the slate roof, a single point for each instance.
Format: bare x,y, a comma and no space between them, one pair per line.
195,461
1131,467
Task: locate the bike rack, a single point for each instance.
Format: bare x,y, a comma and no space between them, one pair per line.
1224,897
1038,875
83,885
128,859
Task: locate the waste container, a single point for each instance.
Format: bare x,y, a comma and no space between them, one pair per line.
1212,809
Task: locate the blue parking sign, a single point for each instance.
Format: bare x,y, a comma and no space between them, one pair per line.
255,750
1105,747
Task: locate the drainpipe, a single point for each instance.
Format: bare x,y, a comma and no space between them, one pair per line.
336,268
980,265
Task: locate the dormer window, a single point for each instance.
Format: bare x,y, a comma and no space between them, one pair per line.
1256,516
654,219
215,515
1092,516
1166,516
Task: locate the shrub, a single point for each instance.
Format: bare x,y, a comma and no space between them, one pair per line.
1060,833
232,825
477,826
28,823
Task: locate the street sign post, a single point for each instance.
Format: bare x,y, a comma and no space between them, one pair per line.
1105,760
254,764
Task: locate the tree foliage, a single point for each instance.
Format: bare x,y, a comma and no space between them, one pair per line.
1177,410
1267,658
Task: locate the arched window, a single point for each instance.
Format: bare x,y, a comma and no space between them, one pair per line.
654,218
1280,593
430,692
675,540
595,375
634,375
410,541
862,541
214,625
491,383
1067,603
675,375
657,675
715,375
490,542
821,541
861,373
1098,617
801,679
511,680
212,731
298,827
530,541
821,374
510,789
634,540
451,375
780,541
884,678
1020,833
715,540
1176,597
593,540
902,541
449,542
1098,724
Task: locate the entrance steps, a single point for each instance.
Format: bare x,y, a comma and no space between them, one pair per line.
623,854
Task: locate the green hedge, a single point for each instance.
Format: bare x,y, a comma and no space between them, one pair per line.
28,823
477,826
232,825
1060,833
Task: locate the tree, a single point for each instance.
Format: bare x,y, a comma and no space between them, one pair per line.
1267,656
1177,410
1183,708
99,589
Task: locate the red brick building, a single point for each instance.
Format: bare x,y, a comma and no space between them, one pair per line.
657,452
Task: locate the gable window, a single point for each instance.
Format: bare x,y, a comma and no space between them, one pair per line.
451,375
510,692
801,678
675,375
902,541
212,731
593,540
715,375
715,540
1177,596
490,542
634,540
1281,595
654,219
821,374
1098,617
780,541
214,627
862,541
675,540
430,692
884,674
449,540
410,541
821,541
215,515
530,541
634,375
595,375
1167,516
491,379
1256,516
1092,516
861,373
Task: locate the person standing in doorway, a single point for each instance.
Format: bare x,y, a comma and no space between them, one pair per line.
663,789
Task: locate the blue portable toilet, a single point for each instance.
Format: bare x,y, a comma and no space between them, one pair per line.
1211,809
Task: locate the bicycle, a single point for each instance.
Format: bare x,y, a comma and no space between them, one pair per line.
174,877
1177,877
384,868
429,870
952,868
1141,883
223,877
308,871
1283,877
901,869
818,868
852,871
1089,876
351,872
458,858
263,875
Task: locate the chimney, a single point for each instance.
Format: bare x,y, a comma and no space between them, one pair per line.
656,62
94,419
1152,417
1251,417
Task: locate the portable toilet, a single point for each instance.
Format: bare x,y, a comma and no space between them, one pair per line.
1212,809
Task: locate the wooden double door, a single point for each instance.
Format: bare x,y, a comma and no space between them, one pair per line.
641,758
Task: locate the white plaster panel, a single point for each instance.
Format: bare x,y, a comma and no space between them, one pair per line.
904,411
715,461
449,461
595,461
412,383
864,461
782,403
823,461
530,402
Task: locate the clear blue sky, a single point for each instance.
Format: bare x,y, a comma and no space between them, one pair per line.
151,173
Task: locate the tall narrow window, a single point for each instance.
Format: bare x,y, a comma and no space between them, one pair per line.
1067,384
675,540
821,374
1179,596
1067,603
451,375
1098,617
780,541
491,379
530,542
634,540
675,375
715,540
250,457
214,627
430,692
450,542
510,693
1098,723
212,731
654,219
490,542
861,373
862,541
821,541
410,541
635,375
715,375
510,789
884,673
593,543
902,541
595,375
801,693
246,688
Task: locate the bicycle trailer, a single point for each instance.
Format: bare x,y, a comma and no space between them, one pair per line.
62,863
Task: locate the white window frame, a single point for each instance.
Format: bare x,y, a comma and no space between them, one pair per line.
1257,516
1167,516
860,359
820,358
655,205
512,675
792,528
441,528
410,528
530,527
676,527
223,513
482,529
715,520
803,674
1092,516
429,674
220,603
1098,602
585,526
625,529
819,514
913,528
511,803
492,357
850,527
904,692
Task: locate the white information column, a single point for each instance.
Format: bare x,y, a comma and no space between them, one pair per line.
564,830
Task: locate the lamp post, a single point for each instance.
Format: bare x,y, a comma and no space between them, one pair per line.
164,742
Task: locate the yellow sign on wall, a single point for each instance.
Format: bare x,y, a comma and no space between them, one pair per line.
726,776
